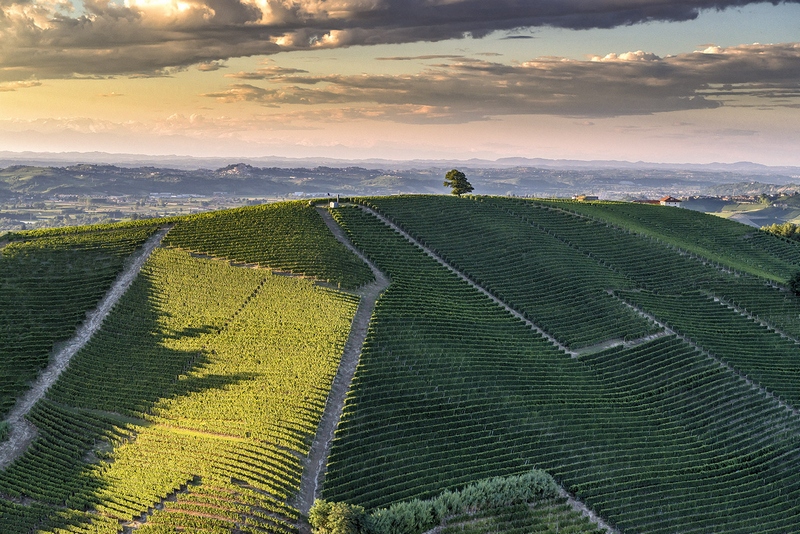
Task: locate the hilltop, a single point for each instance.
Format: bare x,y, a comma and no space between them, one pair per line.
489,364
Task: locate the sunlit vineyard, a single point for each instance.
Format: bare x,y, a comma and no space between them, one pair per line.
671,406
289,236
218,372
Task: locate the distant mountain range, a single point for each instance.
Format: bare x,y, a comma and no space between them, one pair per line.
189,163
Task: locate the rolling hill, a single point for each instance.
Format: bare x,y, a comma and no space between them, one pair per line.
477,364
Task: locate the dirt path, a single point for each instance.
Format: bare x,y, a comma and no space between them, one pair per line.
574,503
314,468
22,432
582,509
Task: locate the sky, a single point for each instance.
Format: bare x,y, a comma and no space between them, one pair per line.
690,81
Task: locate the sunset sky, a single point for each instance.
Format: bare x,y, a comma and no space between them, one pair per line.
638,80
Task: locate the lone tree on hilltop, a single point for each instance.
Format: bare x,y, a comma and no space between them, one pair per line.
458,181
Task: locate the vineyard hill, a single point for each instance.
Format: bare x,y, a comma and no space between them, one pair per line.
637,363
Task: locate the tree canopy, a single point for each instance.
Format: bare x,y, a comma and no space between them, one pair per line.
457,180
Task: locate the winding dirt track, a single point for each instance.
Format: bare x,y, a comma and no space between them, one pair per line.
22,432
314,469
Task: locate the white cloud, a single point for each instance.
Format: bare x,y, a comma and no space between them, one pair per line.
13,86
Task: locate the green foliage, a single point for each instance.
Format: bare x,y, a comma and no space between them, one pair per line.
417,516
457,181
206,383
787,230
336,518
26,235
555,286
205,386
546,517
794,283
723,241
285,236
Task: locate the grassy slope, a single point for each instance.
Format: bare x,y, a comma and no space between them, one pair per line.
288,236
658,438
556,286
214,373
730,243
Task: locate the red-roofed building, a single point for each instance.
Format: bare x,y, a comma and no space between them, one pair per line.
670,201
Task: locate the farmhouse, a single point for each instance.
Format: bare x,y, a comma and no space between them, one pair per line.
670,201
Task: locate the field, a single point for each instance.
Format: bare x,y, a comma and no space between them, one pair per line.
647,358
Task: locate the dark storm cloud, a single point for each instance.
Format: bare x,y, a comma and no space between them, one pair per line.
634,83
52,38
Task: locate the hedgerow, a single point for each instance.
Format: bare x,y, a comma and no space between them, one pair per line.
417,516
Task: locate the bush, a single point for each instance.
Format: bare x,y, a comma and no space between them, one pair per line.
416,516
336,518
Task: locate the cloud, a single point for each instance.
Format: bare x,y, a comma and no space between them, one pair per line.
419,58
266,73
66,38
631,83
13,86
211,66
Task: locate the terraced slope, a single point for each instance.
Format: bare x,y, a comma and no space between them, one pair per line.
286,236
557,287
193,407
47,284
656,438
202,391
675,279
721,240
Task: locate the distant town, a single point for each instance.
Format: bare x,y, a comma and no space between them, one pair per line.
43,196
